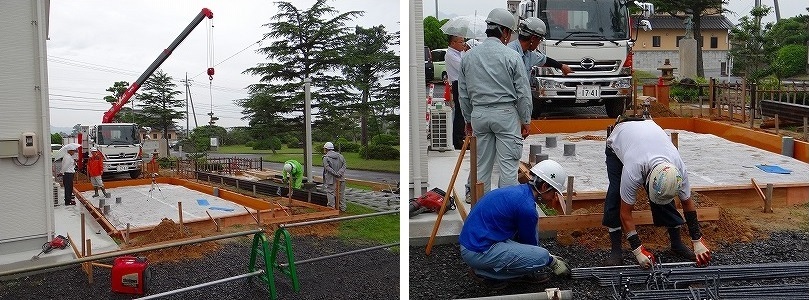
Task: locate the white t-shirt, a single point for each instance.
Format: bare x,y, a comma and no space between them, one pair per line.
68,164
453,63
640,145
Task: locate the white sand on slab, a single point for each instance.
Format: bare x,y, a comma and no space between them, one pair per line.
144,208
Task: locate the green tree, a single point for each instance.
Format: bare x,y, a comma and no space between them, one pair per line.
368,67
434,38
789,61
200,137
790,31
747,46
305,44
56,138
159,105
237,136
127,114
696,8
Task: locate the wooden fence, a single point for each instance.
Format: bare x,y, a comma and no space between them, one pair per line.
785,104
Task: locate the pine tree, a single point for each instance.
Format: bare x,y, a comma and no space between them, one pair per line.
370,66
305,44
158,104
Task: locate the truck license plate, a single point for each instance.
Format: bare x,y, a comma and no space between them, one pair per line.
588,92
122,168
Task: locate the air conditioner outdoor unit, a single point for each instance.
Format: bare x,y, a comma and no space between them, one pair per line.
440,126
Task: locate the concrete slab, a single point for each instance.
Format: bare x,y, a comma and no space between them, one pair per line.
67,222
712,162
142,206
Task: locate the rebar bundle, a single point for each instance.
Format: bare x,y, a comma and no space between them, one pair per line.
682,274
779,292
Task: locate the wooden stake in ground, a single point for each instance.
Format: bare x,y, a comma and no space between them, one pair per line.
180,211
441,212
473,169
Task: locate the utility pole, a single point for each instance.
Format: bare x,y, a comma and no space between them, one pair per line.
777,10
436,10
307,116
187,116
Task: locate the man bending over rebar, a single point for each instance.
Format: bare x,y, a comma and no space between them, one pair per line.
639,153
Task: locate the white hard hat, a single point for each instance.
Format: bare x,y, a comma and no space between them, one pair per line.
288,167
329,146
502,17
663,183
551,172
472,43
532,26
93,149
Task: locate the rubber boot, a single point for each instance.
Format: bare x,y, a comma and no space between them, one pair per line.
677,246
616,254
104,191
96,190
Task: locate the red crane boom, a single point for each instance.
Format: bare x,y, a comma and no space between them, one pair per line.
110,114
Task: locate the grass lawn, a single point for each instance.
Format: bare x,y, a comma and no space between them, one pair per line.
353,160
381,229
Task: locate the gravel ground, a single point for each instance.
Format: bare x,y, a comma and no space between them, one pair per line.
369,275
443,275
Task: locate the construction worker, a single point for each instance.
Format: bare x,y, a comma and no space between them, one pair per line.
532,33
453,64
640,154
67,171
334,167
293,172
496,100
95,168
153,167
499,239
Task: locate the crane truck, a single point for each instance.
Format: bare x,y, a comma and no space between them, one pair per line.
120,143
593,38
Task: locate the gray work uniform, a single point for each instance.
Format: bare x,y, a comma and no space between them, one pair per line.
334,167
495,98
529,58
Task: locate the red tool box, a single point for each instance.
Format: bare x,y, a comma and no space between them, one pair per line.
130,275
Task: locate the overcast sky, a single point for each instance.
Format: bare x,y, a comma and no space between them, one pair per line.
789,8
95,43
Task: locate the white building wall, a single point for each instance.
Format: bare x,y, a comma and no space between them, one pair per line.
26,217
649,61
418,105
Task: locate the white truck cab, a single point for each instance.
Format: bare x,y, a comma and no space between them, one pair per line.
120,144
593,38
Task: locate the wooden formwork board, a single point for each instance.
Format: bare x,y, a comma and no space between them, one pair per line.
585,221
270,212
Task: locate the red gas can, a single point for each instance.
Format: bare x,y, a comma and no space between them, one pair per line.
130,275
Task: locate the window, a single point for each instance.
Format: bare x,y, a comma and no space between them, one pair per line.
168,135
679,37
656,41
154,135
714,42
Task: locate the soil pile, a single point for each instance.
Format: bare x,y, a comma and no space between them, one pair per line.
168,231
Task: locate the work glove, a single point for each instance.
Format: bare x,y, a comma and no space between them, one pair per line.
468,129
702,253
644,257
559,267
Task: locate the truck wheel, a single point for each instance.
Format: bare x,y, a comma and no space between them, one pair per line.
134,174
615,108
